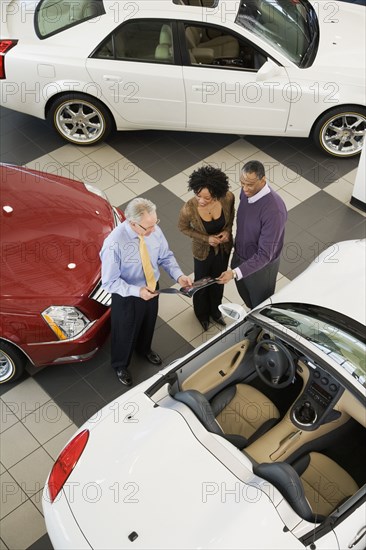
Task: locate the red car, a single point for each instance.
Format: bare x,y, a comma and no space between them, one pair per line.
52,307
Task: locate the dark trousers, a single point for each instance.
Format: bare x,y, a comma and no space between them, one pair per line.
207,300
259,285
132,328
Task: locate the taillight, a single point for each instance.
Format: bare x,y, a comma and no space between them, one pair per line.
5,46
65,463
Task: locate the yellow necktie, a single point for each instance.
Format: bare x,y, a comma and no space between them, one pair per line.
146,265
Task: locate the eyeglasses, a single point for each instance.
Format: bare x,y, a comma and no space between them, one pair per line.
147,228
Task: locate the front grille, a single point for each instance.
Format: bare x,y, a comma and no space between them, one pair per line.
100,295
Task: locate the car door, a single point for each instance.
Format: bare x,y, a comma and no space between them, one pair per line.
232,87
136,74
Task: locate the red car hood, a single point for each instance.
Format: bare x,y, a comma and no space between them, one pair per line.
52,229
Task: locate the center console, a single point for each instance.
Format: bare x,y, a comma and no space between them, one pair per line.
317,400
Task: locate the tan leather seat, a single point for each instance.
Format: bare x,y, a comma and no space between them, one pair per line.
240,413
222,46
313,485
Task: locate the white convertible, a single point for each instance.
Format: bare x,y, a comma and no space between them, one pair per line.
255,440
293,68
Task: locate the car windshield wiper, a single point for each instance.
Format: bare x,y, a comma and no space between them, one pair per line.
310,53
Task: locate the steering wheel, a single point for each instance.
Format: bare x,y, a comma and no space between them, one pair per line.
273,361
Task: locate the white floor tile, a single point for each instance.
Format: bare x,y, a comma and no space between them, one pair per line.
12,495
7,418
119,194
177,184
104,155
123,170
16,443
171,305
25,398
31,472
341,190
301,189
241,149
3,545
187,325
46,422
281,175
67,153
222,159
290,200
84,169
23,527
140,182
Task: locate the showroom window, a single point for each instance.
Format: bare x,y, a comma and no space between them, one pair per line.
140,40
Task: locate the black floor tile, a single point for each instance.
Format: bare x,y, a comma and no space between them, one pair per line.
80,401
43,543
301,163
56,379
169,344
313,209
161,170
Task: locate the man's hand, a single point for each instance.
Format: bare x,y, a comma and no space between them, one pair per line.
185,281
225,277
147,294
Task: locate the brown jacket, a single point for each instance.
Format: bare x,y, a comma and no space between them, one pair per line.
190,223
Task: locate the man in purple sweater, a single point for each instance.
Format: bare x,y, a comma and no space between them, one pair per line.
261,219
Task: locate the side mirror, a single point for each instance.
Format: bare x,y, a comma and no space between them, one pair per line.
268,70
233,311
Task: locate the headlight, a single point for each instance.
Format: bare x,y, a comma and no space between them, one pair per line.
65,321
96,191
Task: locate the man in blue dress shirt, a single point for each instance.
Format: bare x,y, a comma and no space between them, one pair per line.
134,305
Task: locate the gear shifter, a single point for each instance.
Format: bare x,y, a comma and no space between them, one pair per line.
305,414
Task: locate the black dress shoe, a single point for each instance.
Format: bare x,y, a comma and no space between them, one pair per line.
205,325
153,358
219,320
124,377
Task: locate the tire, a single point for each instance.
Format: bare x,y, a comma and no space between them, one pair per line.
80,119
12,363
341,132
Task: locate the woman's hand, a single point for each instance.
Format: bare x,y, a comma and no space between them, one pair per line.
214,240
224,236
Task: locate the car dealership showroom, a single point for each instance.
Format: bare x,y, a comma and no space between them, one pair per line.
250,434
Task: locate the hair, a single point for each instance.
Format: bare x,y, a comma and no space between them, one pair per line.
137,208
210,178
254,166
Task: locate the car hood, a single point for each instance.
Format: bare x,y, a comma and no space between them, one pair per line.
52,232
320,284
340,53
143,471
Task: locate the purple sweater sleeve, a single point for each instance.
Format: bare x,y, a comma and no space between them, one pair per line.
260,232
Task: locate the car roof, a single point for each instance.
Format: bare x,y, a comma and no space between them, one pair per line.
335,280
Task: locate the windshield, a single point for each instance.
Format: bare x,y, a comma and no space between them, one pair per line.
289,26
348,350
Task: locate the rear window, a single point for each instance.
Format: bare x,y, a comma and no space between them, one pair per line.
54,16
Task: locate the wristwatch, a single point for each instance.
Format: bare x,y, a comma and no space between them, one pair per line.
235,275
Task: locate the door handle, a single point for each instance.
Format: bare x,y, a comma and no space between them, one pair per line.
196,88
358,537
111,78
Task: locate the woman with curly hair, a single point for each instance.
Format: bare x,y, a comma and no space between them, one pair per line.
208,219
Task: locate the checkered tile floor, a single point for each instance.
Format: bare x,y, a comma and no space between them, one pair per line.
40,412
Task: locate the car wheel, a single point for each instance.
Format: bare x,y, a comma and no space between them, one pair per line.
80,119
341,132
12,363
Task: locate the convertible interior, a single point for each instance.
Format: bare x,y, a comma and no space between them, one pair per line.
300,425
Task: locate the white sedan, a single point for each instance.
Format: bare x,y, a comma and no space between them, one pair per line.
289,68
255,440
